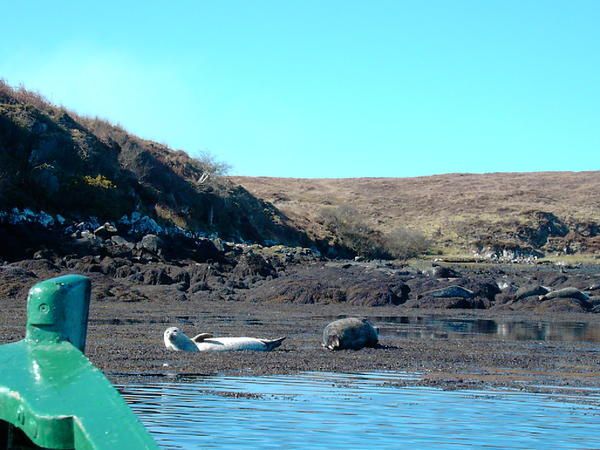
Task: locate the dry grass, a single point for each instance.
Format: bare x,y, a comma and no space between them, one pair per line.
453,210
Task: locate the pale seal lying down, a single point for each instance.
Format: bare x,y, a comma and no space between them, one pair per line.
175,339
350,333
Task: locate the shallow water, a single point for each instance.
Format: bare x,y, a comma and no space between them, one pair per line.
326,410
432,327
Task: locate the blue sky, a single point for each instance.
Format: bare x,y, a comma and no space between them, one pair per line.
327,88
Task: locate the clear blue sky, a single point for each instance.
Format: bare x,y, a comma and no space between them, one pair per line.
327,88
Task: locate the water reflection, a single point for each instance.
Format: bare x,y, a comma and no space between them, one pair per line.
432,327
326,410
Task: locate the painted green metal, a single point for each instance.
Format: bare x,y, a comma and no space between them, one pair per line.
51,396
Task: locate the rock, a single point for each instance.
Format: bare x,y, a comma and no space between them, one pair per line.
151,243
377,295
529,291
15,282
144,225
205,250
444,272
449,292
594,287
562,305
253,265
46,180
594,301
156,276
126,271
221,245
485,288
333,284
122,242
569,292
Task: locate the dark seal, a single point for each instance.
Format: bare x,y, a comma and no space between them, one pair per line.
351,333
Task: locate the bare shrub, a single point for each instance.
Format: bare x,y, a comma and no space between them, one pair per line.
211,165
25,96
402,243
352,231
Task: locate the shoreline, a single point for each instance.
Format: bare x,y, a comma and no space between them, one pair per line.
125,342
128,317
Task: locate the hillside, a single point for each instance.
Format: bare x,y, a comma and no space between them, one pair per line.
493,214
55,161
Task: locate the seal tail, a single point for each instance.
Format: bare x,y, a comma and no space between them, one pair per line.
273,343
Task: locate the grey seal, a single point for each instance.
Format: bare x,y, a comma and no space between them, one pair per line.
568,292
350,333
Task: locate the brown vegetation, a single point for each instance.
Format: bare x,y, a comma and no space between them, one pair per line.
553,211
54,160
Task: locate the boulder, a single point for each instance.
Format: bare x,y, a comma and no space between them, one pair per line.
450,292
151,243
253,265
444,272
122,242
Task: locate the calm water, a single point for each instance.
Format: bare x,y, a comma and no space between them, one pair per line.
432,327
325,410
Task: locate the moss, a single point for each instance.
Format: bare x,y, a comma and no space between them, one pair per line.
99,181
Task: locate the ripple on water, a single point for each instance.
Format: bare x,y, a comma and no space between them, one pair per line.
327,410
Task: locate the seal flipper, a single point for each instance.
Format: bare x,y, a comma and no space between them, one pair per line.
200,337
272,343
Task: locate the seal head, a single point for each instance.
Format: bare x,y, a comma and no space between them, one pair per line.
177,340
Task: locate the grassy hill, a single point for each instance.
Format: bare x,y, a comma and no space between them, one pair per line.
551,212
51,159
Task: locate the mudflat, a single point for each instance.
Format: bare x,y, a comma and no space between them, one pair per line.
125,337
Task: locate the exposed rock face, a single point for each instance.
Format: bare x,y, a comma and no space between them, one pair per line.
547,225
59,162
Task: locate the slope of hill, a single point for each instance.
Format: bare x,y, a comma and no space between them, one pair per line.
495,214
56,161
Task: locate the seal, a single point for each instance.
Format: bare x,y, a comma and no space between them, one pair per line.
350,333
568,292
177,340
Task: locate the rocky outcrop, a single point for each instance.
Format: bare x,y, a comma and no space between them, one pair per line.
76,168
326,284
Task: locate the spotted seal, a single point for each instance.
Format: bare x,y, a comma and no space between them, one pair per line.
350,333
177,340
